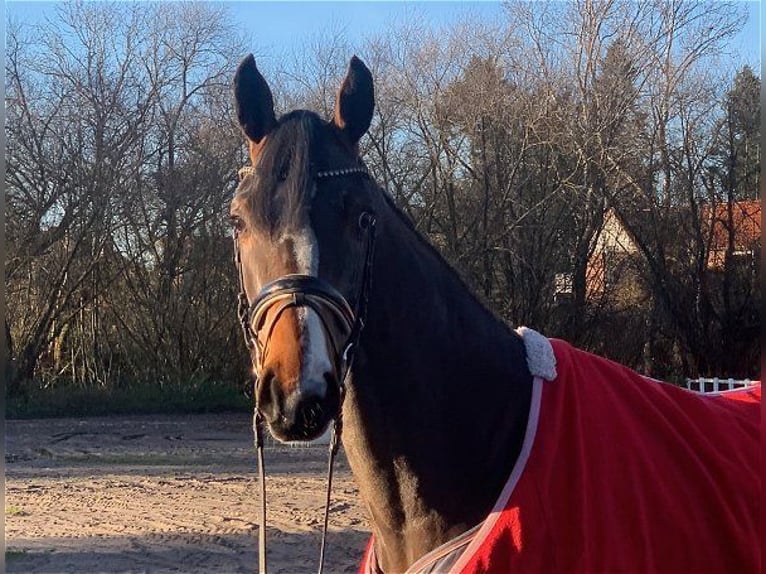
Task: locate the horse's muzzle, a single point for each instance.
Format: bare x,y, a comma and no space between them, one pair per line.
300,415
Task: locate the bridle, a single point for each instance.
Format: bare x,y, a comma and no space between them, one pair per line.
295,291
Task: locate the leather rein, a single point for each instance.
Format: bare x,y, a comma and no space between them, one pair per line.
294,291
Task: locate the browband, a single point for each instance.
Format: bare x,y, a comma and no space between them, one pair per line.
361,170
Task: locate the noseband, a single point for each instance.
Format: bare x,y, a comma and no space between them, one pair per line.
295,291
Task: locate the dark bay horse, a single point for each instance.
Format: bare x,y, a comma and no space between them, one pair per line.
442,402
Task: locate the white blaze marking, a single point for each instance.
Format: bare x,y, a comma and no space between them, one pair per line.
315,360
306,252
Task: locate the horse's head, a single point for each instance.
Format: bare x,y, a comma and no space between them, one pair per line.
300,213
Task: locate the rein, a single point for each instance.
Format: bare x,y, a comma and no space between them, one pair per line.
297,290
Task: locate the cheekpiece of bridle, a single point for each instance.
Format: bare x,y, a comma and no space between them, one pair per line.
340,322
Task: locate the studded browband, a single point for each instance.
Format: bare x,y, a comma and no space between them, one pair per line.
250,170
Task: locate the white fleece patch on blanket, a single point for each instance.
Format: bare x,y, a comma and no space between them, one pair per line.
540,358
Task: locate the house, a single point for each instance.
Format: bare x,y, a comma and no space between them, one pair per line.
615,258
612,258
742,224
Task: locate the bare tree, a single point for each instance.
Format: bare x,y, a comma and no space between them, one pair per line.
121,154
69,133
507,146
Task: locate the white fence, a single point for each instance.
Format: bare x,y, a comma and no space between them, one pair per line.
716,385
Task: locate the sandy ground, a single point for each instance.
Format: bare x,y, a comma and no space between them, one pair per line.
169,494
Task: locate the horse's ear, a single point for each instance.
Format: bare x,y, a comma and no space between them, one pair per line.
355,101
254,104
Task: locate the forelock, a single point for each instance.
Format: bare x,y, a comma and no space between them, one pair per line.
277,205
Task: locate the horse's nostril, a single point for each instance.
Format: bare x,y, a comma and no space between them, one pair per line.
268,394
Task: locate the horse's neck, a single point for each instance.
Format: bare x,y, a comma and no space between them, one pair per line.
435,417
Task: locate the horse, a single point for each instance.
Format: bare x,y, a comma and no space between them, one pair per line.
476,447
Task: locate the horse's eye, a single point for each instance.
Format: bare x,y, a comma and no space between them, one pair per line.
236,222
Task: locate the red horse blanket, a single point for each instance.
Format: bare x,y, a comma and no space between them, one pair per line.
619,473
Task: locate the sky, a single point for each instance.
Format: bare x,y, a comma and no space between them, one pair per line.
280,26
292,20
